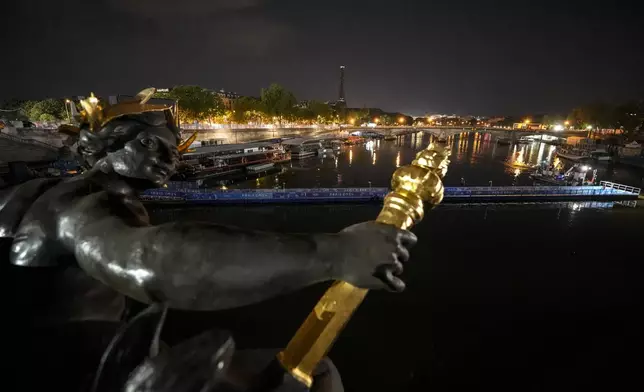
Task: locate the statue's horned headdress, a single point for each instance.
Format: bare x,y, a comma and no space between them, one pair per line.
95,114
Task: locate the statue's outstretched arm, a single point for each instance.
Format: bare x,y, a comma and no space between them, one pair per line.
202,266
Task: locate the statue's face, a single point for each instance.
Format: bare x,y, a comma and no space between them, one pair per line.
152,155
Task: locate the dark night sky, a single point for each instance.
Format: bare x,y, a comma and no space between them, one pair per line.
477,57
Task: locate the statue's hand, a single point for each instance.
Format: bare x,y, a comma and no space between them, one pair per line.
371,255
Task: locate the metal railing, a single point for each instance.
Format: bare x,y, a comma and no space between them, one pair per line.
625,188
501,191
461,194
604,189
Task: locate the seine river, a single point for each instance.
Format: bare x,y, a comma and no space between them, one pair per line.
500,297
476,159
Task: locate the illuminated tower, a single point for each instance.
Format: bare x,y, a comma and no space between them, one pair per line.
341,99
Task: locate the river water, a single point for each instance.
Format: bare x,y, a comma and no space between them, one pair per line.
516,297
476,159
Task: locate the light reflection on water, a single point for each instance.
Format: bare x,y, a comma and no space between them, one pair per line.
484,161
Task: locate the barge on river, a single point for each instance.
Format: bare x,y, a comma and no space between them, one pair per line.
301,148
222,160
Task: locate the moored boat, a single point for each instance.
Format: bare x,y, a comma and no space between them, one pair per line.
572,154
371,135
260,168
352,140
552,174
222,160
301,148
601,156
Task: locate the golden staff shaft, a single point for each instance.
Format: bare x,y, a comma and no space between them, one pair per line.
403,207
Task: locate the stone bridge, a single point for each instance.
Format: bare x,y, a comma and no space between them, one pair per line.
511,133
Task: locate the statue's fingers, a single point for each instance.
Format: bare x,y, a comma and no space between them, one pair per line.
402,253
396,267
407,238
393,282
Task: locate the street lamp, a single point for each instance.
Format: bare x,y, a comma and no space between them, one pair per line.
352,121
401,120
376,120
67,102
589,127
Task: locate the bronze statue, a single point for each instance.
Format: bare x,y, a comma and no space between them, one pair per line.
94,228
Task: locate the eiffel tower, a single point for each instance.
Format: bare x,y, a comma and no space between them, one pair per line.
342,102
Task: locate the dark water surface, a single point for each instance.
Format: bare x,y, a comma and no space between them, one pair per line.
531,297
476,158
500,297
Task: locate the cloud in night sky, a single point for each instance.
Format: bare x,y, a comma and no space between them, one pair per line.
415,56
236,27
173,8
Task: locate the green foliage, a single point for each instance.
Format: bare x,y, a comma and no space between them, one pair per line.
46,110
25,108
321,112
248,109
553,119
360,116
48,117
628,116
277,101
195,103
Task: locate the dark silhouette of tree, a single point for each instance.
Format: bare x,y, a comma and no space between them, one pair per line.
278,102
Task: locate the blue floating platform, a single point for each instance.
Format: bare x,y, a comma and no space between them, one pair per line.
190,195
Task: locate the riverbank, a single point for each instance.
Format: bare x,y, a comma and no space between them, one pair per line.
245,135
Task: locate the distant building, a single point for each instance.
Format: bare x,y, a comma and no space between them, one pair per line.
530,126
495,120
228,98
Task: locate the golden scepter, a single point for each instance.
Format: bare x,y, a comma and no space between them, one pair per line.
403,207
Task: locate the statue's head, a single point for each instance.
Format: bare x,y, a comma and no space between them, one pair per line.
140,146
134,139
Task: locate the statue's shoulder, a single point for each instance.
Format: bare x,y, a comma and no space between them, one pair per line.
16,200
32,218
56,218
